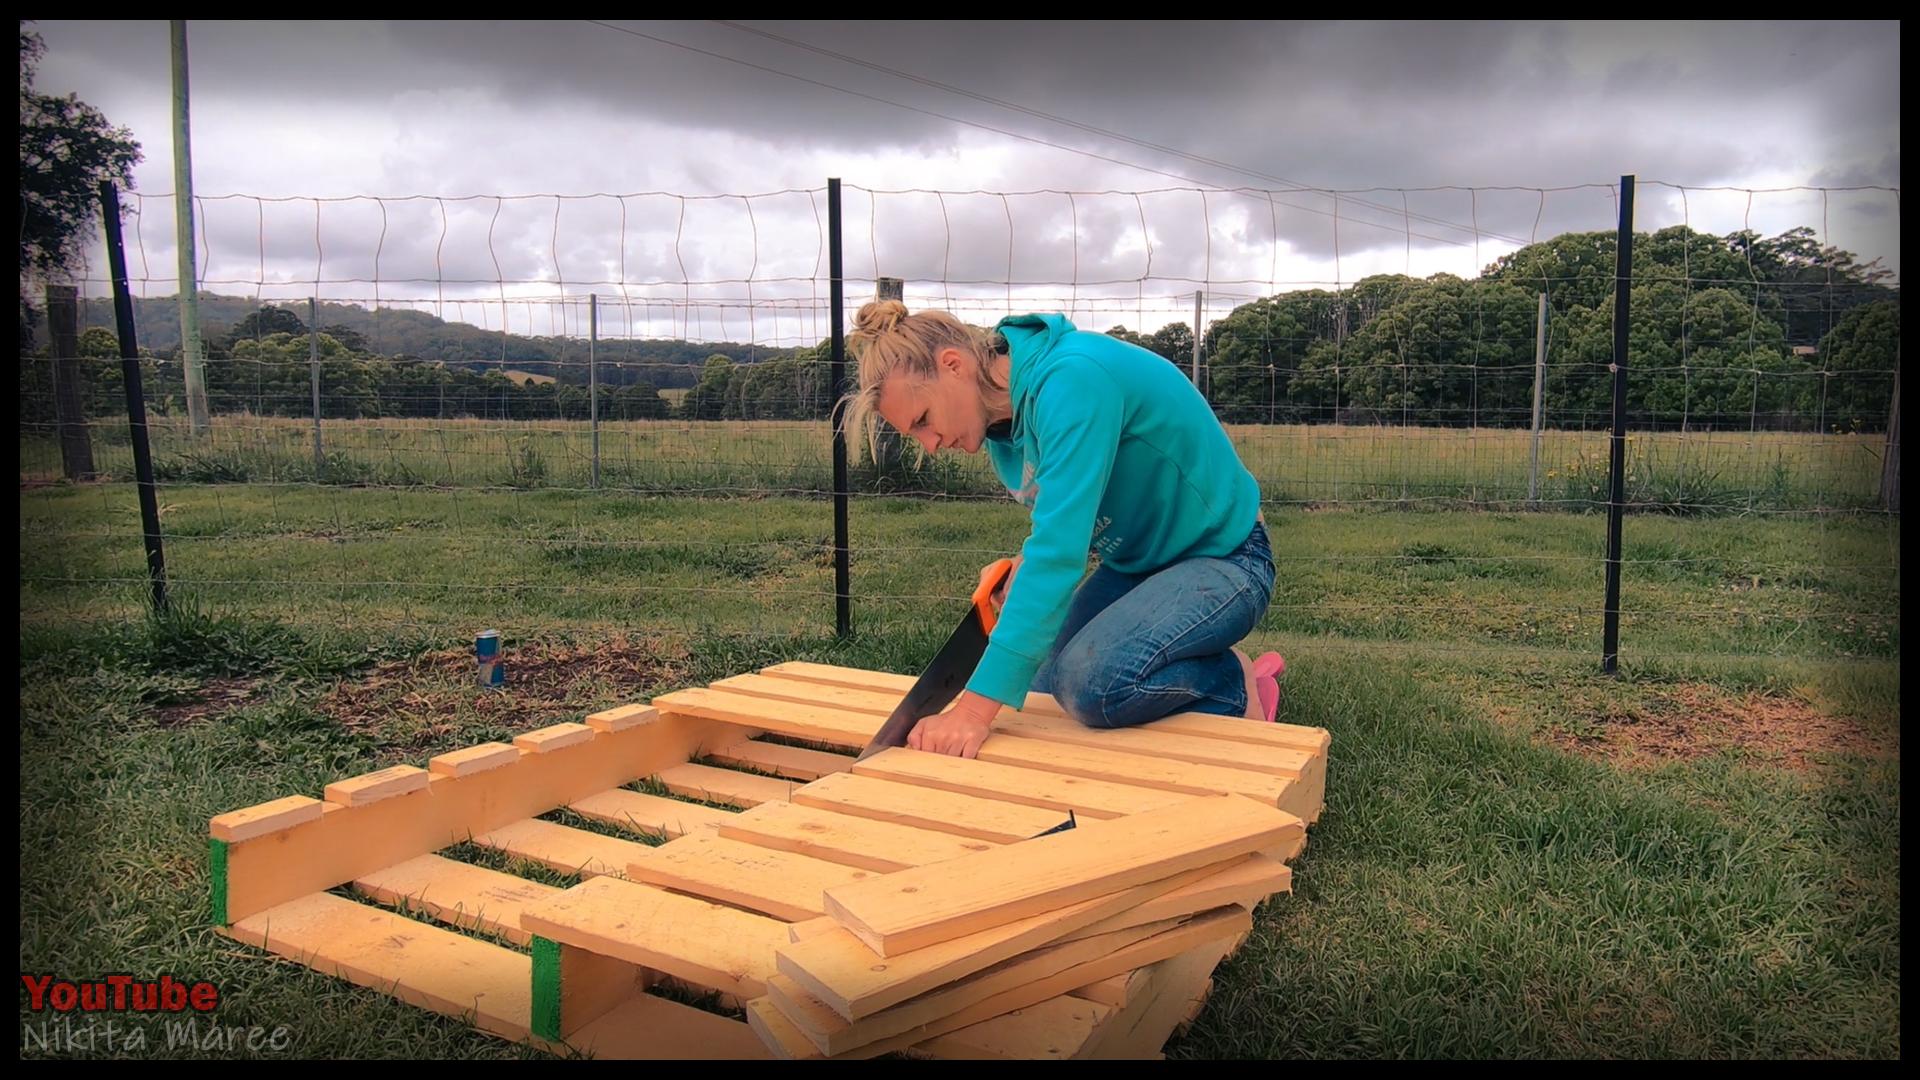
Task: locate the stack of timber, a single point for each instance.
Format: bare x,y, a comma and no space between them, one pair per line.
728,848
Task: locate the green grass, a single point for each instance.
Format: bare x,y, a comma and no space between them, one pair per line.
1411,467
526,563
1469,893
1484,882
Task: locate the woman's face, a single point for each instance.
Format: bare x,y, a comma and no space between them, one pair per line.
941,413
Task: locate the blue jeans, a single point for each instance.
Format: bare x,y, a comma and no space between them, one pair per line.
1138,647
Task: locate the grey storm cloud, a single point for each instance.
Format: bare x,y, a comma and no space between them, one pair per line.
1449,144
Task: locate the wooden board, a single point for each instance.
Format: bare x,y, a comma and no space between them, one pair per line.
651,814
706,944
421,964
916,908
572,987
1138,769
925,808
1212,926
621,717
474,759
268,817
1311,739
1244,883
1087,797
1116,990
1293,754
834,1034
1057,1029
651,1028
1286,762
459,894
1141,1028
1196,1006
1153,739
777,883
860,842
708,784
374,786
562,848
553,737
792,762
779,1035
842,971
817,827
833,727
344,843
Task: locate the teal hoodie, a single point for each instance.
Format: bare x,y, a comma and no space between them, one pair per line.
1116,454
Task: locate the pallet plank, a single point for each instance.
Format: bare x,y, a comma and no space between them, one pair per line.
561,848
879,846
792,762
927,808
652,1028
651,814
375,786
1310,739
833,727
460,894
344,843
834,1034
1054,1030
708,784
1140,1029
553,737
777,883
838,968
1218,925
706,944
268,817
423,965
474,759
916,908
1088,797
1155,739
1144,771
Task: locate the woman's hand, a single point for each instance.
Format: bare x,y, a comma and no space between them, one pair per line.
960,730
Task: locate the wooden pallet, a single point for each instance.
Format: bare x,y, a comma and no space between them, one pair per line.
705,910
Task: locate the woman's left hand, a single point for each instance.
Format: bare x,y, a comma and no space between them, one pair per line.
960,730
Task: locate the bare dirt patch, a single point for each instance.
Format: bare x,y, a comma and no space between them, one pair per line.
419,701
1698,720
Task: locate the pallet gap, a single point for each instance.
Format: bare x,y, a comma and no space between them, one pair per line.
408,911
651,786
486,858
776,739
560,815
747,769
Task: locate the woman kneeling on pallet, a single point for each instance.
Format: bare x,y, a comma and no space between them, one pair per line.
1115,454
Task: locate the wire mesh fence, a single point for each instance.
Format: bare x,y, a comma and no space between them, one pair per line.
557,411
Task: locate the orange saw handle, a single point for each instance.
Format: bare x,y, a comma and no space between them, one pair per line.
991,578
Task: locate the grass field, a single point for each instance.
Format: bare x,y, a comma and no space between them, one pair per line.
1519,857
1693,472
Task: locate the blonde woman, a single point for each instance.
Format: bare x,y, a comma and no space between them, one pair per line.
1115,454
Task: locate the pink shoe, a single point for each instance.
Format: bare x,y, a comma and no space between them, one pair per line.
1266,679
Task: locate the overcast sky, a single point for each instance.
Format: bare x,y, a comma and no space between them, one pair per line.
1238,116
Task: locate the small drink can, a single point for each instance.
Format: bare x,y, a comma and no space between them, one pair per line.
492,667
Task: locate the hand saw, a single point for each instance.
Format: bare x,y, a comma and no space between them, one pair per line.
951,667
